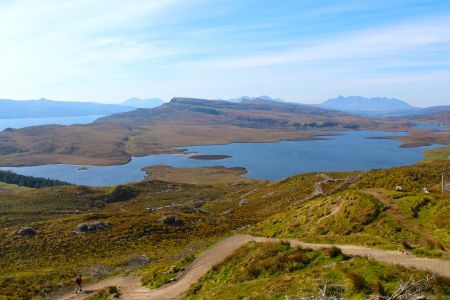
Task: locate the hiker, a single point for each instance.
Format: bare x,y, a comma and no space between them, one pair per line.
79,281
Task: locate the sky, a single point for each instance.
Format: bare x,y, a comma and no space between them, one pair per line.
302,51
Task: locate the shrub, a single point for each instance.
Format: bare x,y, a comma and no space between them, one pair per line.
334,252
359,284
285,242
121,193
407,246
111,292
379,290
171,221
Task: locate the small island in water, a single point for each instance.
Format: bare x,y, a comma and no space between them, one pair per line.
209,157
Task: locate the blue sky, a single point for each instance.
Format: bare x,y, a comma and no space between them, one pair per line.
303,51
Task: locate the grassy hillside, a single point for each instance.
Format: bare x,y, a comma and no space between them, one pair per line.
267,198
370,212
411,222
136,238
352,207
279,271
411,178
440,153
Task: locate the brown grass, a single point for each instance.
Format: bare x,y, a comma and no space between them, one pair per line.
206,175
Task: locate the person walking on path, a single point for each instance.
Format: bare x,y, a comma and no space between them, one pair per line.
79,282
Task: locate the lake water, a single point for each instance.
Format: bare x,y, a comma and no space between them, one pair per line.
352,150
26,122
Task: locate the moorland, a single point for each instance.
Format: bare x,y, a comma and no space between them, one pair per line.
154,229
115,139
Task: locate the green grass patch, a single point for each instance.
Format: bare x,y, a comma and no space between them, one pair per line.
277,271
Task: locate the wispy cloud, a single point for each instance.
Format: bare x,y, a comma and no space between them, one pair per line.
64,40
383,42
93,50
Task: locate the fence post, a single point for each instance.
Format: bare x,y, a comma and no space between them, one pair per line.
442,183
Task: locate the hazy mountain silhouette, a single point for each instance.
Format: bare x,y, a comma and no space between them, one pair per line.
143,103
44,108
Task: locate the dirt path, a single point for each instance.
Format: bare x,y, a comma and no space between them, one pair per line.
131,289
128,285
318,190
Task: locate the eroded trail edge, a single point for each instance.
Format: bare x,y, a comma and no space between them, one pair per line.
131,288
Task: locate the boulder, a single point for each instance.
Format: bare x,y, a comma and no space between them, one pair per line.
92,227
243,202
171,221
26,232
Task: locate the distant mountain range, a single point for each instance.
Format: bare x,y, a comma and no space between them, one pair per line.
260,98
143,103
378,106
44,108
362,104
355,105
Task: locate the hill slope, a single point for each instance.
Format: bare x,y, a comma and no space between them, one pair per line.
140,237
183,121
437,114
286,270
251,114
378,106
370,212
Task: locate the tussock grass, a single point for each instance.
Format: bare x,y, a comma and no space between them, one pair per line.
354,217
274,271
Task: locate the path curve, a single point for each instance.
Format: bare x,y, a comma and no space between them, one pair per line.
131,289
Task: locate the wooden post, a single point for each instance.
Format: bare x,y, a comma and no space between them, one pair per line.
442,183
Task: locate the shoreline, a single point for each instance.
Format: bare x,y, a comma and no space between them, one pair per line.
182,150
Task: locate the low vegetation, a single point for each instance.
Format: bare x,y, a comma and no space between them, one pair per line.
134,240
413,222
155,228
109,293
279,271
409,179
439,153
165,272
203,175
